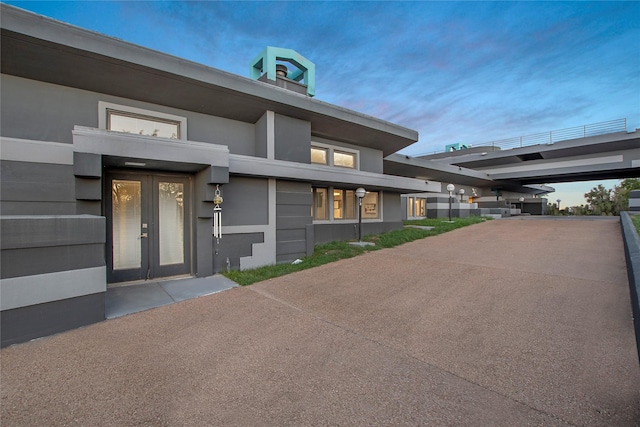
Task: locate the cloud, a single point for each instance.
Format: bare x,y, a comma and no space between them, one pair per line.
455,71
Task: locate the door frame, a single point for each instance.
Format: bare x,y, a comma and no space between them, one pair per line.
150,256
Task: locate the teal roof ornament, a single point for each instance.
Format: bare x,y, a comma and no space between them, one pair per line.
456,147
267,60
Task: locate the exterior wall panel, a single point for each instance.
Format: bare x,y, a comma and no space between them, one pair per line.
293,214
233,247
349,231
36,189
27,323
28,261
292,139
245,201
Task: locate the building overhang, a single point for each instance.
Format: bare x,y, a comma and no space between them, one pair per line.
481,158
431,170
43,49
324,176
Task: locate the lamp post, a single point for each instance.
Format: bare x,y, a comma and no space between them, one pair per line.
450,189
558,206
360,193
521,205
461,192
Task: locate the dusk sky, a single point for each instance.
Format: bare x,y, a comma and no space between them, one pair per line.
469,72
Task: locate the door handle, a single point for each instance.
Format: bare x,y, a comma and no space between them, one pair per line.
144,236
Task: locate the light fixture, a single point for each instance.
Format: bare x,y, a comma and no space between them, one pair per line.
450,189
360,193
137,164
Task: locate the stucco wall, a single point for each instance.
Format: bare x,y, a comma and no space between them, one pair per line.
47,112
36,188
293,214
292,139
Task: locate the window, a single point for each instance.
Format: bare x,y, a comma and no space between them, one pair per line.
121,118
370,208
323,154
319,155
420,207
123,122
345,205
319,209
345,160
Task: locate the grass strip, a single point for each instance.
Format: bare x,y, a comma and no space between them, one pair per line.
329,252
636,221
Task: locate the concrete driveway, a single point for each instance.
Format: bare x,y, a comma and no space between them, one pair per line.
505,323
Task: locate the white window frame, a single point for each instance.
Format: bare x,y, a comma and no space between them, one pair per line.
331,149
104,107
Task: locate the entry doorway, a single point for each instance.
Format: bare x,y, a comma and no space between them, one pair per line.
148,225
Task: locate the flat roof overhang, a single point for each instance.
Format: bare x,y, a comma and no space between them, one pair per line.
479,158
431,170
40,48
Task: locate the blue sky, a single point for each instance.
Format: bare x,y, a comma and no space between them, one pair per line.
469,72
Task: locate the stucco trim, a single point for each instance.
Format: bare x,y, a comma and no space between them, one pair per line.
253,166
28,150
97,141
16,292
264,253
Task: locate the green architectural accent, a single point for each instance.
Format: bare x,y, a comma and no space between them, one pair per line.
267,60
455,147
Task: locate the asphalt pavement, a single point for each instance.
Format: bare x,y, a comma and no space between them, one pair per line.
504,323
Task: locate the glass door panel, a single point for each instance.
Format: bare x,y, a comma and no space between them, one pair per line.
171,222
126,206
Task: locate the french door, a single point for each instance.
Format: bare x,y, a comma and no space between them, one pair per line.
148,226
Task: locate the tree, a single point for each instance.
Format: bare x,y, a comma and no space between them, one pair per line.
552,209
621,193
600,200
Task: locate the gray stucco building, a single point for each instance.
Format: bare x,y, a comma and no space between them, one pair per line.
113,155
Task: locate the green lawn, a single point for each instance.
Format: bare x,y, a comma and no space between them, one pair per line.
636,222
334,251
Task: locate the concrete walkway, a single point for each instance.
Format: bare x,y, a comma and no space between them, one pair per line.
505,323
134,298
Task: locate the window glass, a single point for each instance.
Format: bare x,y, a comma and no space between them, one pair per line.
171,219
347,160
370,207
127,216
320,204
350,204
142,125
344,204
421,207
410,201
338,204
319,155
